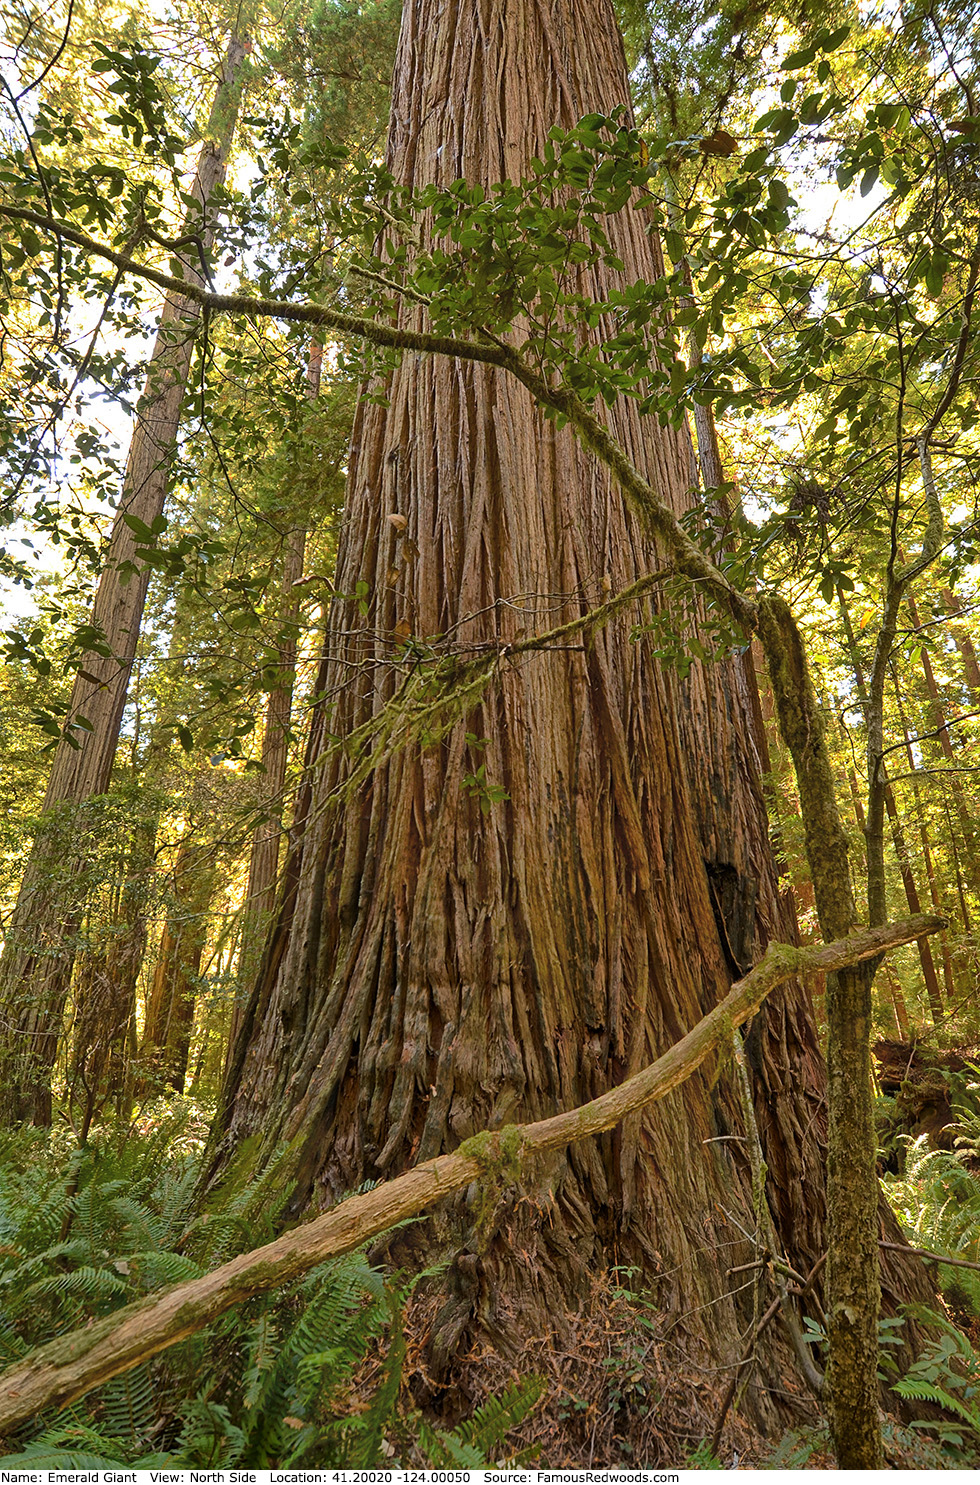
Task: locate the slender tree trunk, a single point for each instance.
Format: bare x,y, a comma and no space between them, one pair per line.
926,962
957,870
263,869
36,967
924,840
709,459
445,960
968,827
902,1022
853,1195
963,642
926,959
170,1005
923,946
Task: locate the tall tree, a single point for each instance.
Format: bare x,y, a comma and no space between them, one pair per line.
643,818
909,883
263,866
173,994
507,922
964,643
35,970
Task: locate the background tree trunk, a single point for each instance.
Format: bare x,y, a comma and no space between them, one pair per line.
938,722
961,637
263,866
36,967
170,1004
924,945
437,969
939,909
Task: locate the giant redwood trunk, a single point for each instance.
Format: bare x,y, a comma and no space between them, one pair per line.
439,967
42,937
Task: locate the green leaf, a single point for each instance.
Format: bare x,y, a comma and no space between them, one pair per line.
674,243
801,58
140,529
936,275
836,39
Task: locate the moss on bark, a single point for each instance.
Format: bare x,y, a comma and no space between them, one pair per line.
853,1286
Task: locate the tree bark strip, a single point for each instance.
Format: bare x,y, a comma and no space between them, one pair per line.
963,641
924,947
65,1369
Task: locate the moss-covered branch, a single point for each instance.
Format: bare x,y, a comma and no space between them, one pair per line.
359,326
685,554
65,1369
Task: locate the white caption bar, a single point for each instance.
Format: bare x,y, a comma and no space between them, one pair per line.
123,1476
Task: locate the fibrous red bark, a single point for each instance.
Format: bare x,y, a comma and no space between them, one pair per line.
438,969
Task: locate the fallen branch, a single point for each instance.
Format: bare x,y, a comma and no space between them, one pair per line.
929,1256
67,1368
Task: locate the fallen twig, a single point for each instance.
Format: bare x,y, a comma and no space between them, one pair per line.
67,1368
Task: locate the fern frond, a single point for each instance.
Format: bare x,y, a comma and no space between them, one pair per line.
929,1392
16,1277
12,1345
243,1209
936,1321
209,1437
84,1283
174,1196
263,1348
367,1443
134,1219
68,1446
494,1420
157,1269
446,1450
129,1405
39,1457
